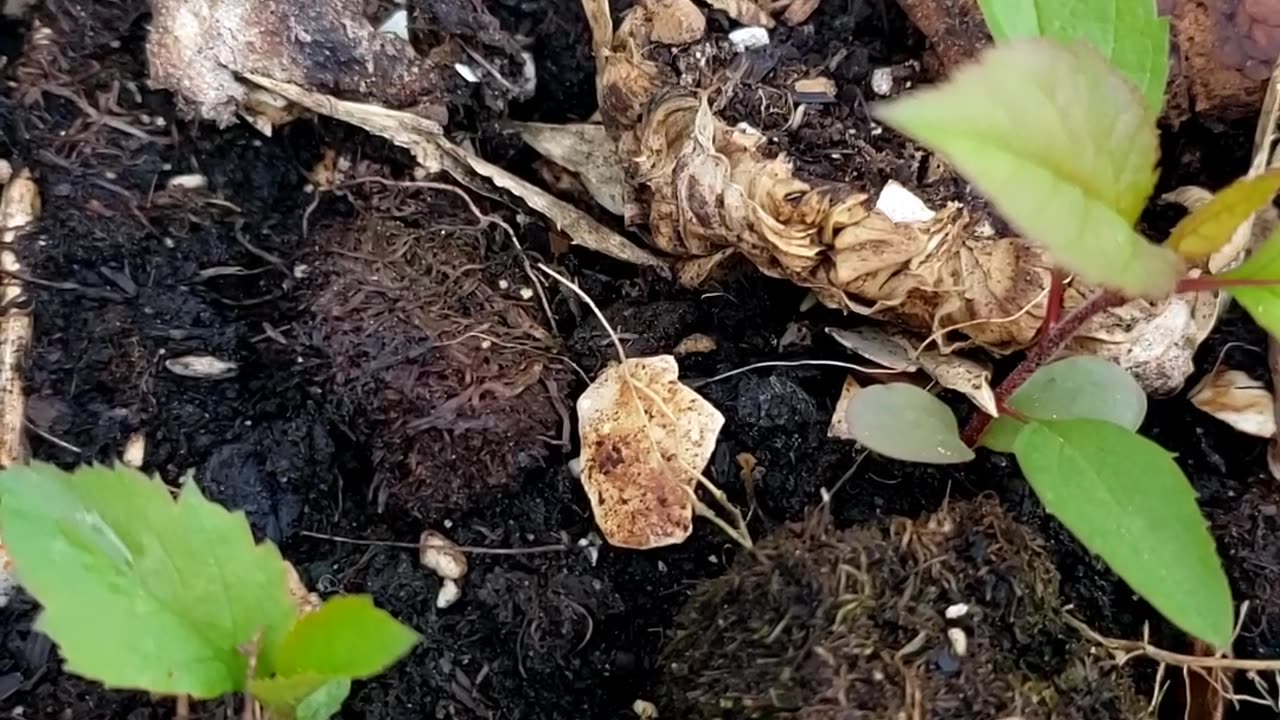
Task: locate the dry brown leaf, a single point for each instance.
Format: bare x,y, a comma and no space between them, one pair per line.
645,438
798,11
435,153
587,150
744,11
839,426
1238,400
695,344
674,22
705,189
898,351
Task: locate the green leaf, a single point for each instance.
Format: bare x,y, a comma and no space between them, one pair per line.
1261,301
1128,33
138,589
1084,386
1062,145
346,638
301,697
1125,499
906,423
1210,226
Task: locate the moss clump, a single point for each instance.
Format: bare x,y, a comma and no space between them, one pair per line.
820,624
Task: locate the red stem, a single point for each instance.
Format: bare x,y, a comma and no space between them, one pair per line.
1041,353
1053,307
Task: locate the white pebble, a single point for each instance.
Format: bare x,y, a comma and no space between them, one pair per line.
956,611
525,293
959,641
449,593
644,710
901,205
135,450
749,38
202,367
441,555
190,181
882,81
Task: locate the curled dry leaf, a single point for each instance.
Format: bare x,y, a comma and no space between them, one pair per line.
1238,400
705,189
425,139
587,150
674,22
306,601
896,351
197,48
839,426
645,438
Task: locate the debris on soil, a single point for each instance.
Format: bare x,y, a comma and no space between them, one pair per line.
706,190
1222,51
441,555
839,426
439,365
584,149
897,352
198,48
1238,400
202,367
645,439
435,153
819,623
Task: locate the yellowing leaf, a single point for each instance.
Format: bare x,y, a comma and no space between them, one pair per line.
1210,226
139,589
645,436
1065,148
1262,301
1127,32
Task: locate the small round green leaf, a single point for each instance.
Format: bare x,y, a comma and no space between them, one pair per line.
906,423
1084,387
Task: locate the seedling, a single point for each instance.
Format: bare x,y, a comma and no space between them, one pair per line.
1062,139
143,590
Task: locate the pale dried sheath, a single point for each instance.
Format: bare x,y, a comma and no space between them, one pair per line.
19,208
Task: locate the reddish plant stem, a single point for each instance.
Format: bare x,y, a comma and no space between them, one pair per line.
1053,306
1040,354
1211,282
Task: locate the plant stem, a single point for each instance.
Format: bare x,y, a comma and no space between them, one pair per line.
1053,306
1040,354
1211,282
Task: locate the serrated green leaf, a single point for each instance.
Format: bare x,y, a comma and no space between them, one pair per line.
1128,33
1126,500
301,697
1261,301
904,422
1062,145
1084,386
138,589
1210,226
347,637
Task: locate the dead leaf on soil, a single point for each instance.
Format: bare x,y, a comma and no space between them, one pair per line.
645,438
898,351
1237,399
705,189
587,150
839,426
435,153
674,22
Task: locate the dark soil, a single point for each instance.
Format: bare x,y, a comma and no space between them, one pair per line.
394,376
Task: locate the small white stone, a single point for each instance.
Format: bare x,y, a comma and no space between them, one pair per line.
135,450
202,367
575,467
901,205
956,611
959,641
882,81
749,38
449,593
503,284
525,293
189,181
397,23
467,72
441,555
644,710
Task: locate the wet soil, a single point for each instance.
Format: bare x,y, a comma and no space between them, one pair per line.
394,372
